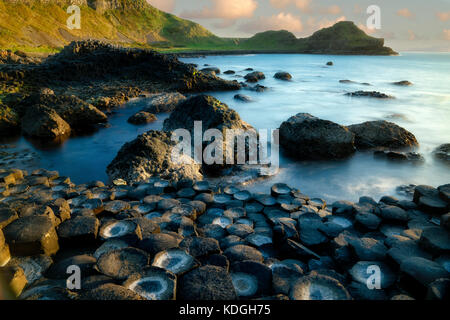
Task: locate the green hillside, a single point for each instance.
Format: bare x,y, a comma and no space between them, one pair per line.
40,25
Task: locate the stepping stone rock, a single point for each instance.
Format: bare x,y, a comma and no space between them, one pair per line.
125,230
318,287
85,262
368,249
206,283
108,246
15,279
423,270
360,272
175,260
153,284
261,273
7,216
79,230
435,240
120,264
158,242
391,213
198,246
116,206
33,267
110,292
31,235
243,252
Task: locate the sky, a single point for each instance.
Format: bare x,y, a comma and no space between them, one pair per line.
406,25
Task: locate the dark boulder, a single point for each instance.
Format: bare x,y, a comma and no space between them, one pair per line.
442,153
206,283
283,76
382,134
369,94
142,117
150,155
307,137
42,122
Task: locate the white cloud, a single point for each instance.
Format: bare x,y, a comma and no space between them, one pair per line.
405,13
443,16
281,21
224,9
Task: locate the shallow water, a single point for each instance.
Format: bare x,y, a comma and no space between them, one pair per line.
423,109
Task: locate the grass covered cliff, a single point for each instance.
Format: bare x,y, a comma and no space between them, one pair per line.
40,26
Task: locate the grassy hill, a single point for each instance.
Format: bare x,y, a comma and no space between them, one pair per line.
40,25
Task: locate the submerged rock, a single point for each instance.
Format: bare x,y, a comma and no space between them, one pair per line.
142,117
382,134
150,155
404,83
307,137
254,76
370,94
443,153
243,98
283,76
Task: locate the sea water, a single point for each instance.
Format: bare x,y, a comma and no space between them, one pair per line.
423,109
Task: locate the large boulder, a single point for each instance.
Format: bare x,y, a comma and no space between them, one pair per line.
209,110
382,134
76,112
42,122
150,154
304,136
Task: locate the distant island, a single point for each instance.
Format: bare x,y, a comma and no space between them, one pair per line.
40,26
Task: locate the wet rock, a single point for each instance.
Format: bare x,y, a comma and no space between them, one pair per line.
401,251
283,276
429,200
435,240
153,284
109,292
370,94
412,157
391,213
443,153
368,220
163,103
243,252
243,98
198,246
283,76
329,63
150,155
33,267
207,109
403,83
307,137
158,242
7,216
318,287
423,270
15,279
368,249
59,269
439,290
31,235
142,117
43,122
382,134
120,264
79,230
175,260
360,272
229,72
126,230
215,70
360,291
206,283
254,76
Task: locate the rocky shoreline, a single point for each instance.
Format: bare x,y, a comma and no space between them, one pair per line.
159,231
193,241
